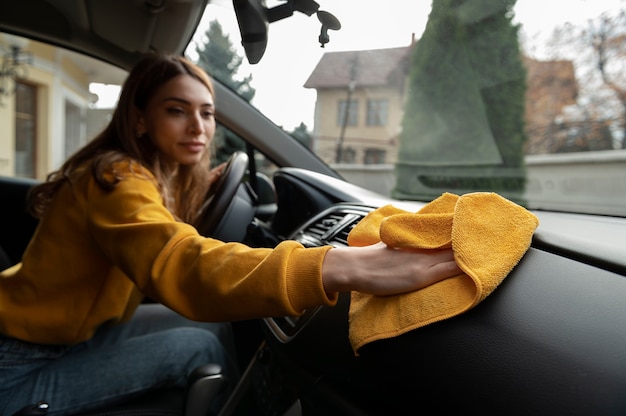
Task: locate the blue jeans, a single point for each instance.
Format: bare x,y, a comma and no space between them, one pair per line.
156,349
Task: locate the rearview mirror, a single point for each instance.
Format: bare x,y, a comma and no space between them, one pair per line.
253,25
254,19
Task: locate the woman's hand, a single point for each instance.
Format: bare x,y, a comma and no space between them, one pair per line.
216,173
214,176
380,270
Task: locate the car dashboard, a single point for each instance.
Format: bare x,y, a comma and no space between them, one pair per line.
549,340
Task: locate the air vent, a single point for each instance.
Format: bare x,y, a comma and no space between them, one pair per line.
342,236
332,227
322,228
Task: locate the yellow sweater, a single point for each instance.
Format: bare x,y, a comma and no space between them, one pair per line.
96,254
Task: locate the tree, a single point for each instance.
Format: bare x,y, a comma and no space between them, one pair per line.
607,38
463,126
218,57
599,50
301,134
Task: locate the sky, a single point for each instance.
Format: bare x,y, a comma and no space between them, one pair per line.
279,83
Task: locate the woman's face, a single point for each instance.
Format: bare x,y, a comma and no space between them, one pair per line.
179,120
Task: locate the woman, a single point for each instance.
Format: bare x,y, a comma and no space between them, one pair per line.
116,225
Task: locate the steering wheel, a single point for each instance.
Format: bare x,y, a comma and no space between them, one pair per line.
222,194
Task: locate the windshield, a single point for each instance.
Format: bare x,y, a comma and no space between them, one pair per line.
524,98
406,98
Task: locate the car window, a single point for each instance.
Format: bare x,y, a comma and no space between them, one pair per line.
37,136
407,98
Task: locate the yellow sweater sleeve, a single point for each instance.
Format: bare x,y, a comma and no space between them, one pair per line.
97,251
199,277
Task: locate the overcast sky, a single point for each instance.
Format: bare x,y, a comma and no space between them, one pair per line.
279,83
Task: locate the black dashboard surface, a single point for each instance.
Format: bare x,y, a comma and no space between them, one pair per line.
549,340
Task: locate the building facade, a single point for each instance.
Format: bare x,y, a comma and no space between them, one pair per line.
359,106
44,107
361,95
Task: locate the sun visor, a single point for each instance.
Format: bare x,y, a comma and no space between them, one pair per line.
159,25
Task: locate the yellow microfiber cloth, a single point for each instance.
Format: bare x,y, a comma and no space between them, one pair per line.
488,235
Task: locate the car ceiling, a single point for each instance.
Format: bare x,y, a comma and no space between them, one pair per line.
117,31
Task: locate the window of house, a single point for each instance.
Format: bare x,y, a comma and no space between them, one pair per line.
73,139
347,113
377,112
348,155
374,156
25,130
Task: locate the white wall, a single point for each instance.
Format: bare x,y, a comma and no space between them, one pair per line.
586,182
580,182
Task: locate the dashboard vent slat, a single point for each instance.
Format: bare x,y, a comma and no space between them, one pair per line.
324,226
331,228
342,235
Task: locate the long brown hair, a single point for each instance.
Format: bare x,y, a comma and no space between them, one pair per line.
184,192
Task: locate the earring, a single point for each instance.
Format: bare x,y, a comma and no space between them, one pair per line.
138,134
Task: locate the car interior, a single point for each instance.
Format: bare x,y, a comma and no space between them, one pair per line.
550,340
